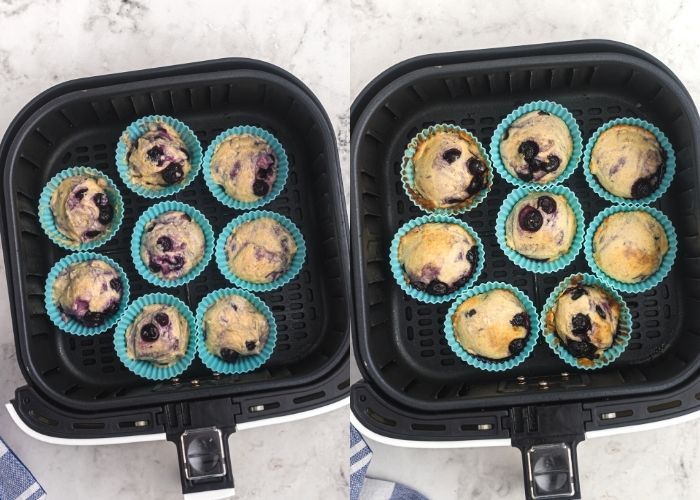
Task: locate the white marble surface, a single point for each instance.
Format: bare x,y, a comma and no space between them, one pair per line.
44,42
656,464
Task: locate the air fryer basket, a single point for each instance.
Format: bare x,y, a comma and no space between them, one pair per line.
76,385
415,387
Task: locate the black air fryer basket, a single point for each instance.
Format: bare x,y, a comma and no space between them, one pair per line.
415,391
77,390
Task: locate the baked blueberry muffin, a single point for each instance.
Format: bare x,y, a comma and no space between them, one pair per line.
88,292
245,166
537,147
233,327
172,244
541,226
493,325
158,158
158,334
628,161
437,258
81,208
629,246
585,318
448,170
260,250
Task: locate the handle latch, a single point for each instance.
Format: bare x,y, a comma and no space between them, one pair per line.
203,453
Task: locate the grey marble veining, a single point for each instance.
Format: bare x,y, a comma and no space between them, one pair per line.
44,42
655,464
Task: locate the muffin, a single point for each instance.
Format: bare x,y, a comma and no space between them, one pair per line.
260,250
585,318
159,334
245,166
628,161
536,147
234,327
629,246
437,258
81,208
541,226
493,325
172,244
158,158
449,170
89,292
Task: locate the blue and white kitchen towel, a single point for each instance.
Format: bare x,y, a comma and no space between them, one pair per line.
16,482
365,488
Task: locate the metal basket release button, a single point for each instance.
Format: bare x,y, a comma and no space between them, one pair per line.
203,453
551,471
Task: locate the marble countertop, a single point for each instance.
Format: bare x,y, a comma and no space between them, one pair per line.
44,42
645,465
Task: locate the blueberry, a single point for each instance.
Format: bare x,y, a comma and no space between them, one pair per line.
173,173
580,324
476,166
264,173
581,349
92,234
530,219
543,113
162,319
452,201
641,188
526,176
165,243
250,345
552,164
100,199
600,311
228,355
80,193
476,184
112,308
186,217
506,134
154,266
536,164
577,292
528,149
106,214
547,204
521,319
460,282
471,312
471,254
116,284
149,332
92,319
437,287
154,154
178,263
185,152
516,346
451,155
260,188
419,285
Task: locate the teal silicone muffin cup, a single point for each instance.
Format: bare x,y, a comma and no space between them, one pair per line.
524,262
666,180
666,262
282,168
48,222
619,342
397,268
68,324
136,130
294,266
140,226
146,369
407,171
244,363
554,109
480,362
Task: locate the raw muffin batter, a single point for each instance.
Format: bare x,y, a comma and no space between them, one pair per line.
437,258
81,208
628,161
585,318
88,292
493,325
245,166
172,244
234,327
260,250
448,170
158,158
541,226
629,246
537,147
159,334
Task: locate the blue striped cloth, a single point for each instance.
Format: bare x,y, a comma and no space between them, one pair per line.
365,488
16,482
